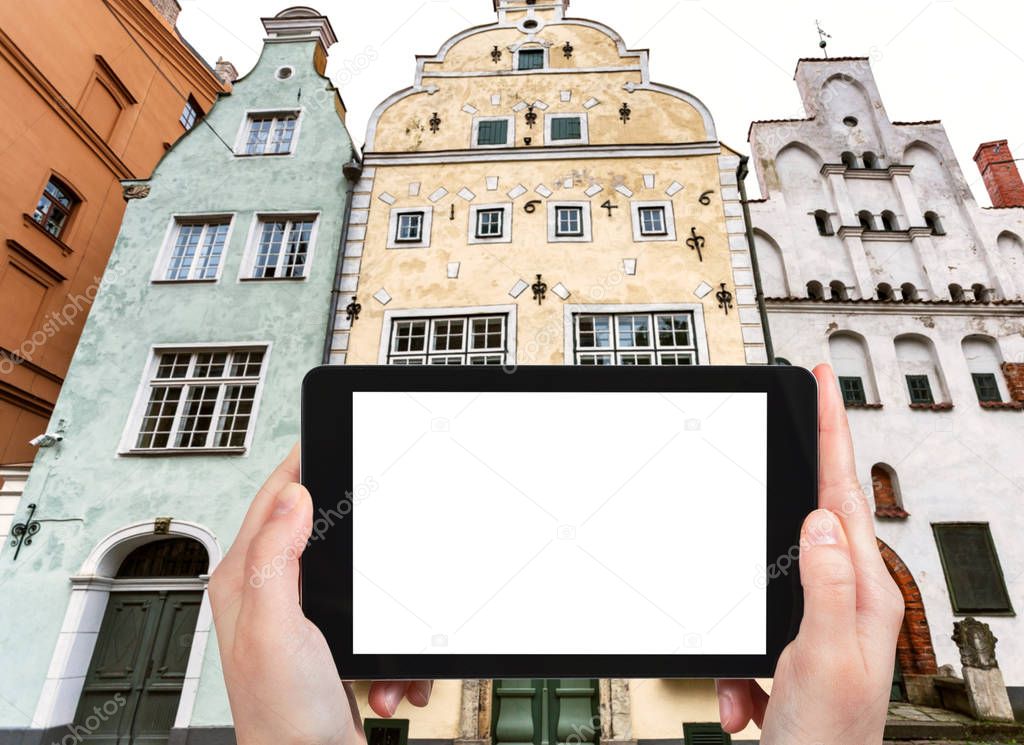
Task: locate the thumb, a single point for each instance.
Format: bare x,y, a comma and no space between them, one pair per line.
271,593
829,582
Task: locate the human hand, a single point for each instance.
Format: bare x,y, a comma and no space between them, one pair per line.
282,683
833,681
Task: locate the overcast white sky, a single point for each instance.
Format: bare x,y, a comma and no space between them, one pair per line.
959,61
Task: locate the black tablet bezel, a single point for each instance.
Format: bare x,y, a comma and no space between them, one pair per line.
327,473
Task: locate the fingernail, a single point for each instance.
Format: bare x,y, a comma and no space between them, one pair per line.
823,529
286,500
725,707
391,699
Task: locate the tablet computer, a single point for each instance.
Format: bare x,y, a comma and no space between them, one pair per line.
473,522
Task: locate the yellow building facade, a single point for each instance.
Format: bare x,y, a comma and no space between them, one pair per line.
534,199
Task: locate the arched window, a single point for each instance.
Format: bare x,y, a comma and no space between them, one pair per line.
173,557
849,159
909,293
889,221
956,293
932,221
982,294
867,220
985,362
824,222
885,292
886,488
815,291
919,366
837,291
871,160
849,356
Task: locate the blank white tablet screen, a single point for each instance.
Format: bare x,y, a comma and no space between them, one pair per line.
559,523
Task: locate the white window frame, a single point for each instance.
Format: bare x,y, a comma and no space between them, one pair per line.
195,115
126,446
586,223
253,240
509,311
547,59
511,134
549,122
506,223
243,131
670,221
428,220
700,333
159,275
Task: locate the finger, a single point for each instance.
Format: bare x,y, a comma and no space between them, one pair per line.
759,700
838,488
829,583
735,708
419,692
270,598
385,697
263,504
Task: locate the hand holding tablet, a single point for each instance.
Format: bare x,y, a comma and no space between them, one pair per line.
284,684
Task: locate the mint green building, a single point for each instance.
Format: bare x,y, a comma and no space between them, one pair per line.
183,393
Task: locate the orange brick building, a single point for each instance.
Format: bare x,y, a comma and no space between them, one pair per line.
93,93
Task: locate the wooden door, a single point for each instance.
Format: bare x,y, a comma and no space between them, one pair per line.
135,678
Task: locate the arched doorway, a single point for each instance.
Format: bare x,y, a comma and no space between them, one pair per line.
139,615
915,654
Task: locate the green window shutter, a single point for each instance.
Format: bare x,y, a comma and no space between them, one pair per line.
386,731
532,59
710,733
566,128
492,132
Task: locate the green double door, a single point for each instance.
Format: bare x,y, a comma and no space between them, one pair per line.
545,712
137,671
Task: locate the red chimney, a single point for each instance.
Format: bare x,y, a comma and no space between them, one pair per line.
999,169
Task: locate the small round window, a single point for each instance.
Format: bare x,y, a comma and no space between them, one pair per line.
530,24
850,121
285,72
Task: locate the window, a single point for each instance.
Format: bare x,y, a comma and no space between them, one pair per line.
889,222
386,731
283,246
270,134
885,292
495,132
568,221
562,129
932,221
956,293
838,291
866,219
459,340
531,59
200,399
849,160
635,339
55,207
190,114
982,294
653,221
410,228
815,291
196,250
705,734
871,160
886,490
920,389
823,222
853,391
986,385
973,572
909,292
490,223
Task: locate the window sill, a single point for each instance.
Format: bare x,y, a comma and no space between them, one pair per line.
891,513
263,155
985,613
185,281
272,279
932,407
64,247
1002,405
138,453
871,407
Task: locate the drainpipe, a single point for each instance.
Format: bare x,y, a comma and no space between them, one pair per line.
762,308
353,170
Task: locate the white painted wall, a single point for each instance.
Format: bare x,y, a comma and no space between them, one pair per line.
958,465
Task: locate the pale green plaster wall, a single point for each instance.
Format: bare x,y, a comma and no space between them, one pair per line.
83,480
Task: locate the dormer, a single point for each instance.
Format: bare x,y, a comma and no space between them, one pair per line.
302,23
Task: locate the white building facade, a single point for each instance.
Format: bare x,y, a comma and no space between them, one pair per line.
875,256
